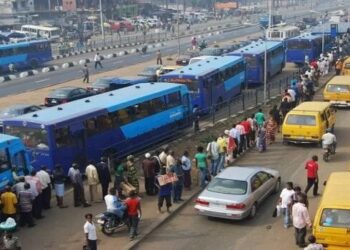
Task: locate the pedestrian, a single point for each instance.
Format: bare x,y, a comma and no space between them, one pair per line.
134,211
275,114
92,180
163,156
78,186
312,175
158,163
97,60
213,156
194,43
170,159
186,167
119,170
253,126
85,74
8,204
284,107
90,233
234,134
271,129
58,180
26,199
241,140
36,188
178,185
196,116
260,118
132,173
286,202
313,245
104,175
261,141
297,191
301,220
222,143
11,242
164,193
173,29
45,181
338,67
159,58
113,204
247,131
231,147
19,186
148,166
201,164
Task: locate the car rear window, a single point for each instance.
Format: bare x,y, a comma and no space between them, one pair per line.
307,120
338,88
227,186
335,218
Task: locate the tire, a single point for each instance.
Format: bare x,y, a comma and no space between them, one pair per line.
326,156
253,210
106,229
277,186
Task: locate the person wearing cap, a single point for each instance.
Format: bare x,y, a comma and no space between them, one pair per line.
103,175
148,166
78,186
132,173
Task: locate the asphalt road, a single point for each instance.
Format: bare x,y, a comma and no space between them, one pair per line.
187,230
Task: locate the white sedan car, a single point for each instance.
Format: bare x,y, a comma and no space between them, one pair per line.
236,192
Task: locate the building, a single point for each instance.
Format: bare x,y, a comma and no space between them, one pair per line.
16,6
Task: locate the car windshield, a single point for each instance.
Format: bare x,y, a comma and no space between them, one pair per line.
101,83
227,186
10,111
150,70
58,93
307,120
335,218
338,88
347,66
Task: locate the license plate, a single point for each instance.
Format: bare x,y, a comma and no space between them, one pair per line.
53,101
214,205
301,137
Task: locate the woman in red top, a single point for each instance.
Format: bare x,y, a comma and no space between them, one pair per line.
133,205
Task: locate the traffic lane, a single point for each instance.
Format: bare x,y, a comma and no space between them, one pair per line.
190,231
62,75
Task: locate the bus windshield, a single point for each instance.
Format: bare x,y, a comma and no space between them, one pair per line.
32,137
295,44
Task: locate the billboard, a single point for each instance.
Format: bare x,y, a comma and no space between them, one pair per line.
69,5
226,6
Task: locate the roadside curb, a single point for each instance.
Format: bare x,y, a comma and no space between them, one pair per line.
159,222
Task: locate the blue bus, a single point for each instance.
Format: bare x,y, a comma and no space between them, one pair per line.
23,55
306,47
113,124
13,157
211,81
254,55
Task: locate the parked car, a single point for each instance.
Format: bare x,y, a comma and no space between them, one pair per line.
105,84
184,59
237,192
211,52
229,48
150,72
166,69
65,94
300,25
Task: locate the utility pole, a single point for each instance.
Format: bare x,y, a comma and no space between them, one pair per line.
102,27
178,27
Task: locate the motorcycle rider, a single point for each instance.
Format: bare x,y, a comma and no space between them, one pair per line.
329,141
114,204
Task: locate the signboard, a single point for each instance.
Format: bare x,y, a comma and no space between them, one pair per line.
334,30
226,6
167,178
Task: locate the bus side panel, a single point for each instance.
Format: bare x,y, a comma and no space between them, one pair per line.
297,56
276,64
232,86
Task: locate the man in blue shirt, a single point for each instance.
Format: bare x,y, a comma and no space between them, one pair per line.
164,193
178,185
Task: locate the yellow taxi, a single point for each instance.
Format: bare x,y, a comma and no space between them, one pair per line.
331,225
307,122
337,91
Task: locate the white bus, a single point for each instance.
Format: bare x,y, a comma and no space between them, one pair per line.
50,33
281,32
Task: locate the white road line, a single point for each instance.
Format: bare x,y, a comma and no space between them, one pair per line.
43,80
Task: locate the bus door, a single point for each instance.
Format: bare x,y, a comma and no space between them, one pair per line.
5,167
20,162
207,98
79,141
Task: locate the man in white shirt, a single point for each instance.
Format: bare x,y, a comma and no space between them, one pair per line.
163,155
234,133
329,140
45,181
313,245
90,233
213,152
170,159
113,204
93,180
286,202
301,220
97,60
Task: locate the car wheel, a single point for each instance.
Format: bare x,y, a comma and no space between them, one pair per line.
277,186
253,211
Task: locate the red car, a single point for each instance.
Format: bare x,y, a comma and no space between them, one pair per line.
122,25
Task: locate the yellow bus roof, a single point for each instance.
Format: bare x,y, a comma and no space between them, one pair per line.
337,191
312,106
341,80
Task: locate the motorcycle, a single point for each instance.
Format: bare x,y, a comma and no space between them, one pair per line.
110,222
327,152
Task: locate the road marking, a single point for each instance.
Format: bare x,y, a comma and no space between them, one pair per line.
43,80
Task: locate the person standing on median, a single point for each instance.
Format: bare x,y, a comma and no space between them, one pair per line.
103,175
85,74
78,186
178,185
312,175
213,155
260,118
301,220
93,180
133,206
45,180
97,60
164,192
201,164
58,180
8,203
148,166
159,58
186,167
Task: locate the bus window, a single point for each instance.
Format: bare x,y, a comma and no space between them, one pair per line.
174,99
104,122
4,160
124,116
141,110
157,105
91,127
63,137
32,137
19,162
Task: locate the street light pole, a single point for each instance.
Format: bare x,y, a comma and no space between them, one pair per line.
102,27
178,27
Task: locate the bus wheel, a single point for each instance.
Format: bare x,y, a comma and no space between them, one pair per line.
34,64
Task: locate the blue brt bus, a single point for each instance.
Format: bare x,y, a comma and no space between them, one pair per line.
29,54
306,47
211,81
13,157
254,55
115,123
